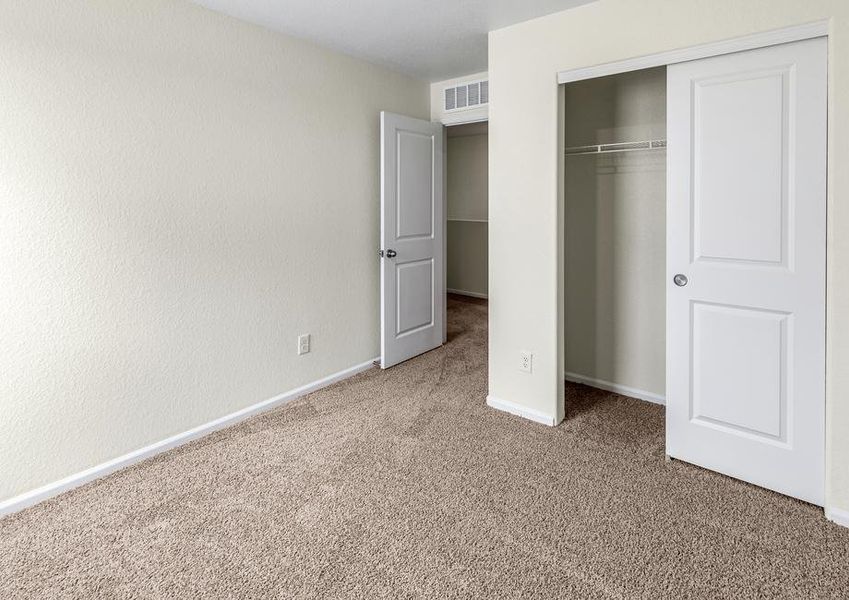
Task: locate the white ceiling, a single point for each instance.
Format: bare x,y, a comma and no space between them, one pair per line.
429,39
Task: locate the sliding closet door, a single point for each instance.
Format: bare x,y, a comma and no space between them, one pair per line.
746,266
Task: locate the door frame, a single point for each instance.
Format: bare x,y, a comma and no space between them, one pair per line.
816,29
445,125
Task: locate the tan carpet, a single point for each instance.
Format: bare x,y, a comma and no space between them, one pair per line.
403,484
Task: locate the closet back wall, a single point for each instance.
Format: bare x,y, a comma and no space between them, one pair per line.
181,195
616,232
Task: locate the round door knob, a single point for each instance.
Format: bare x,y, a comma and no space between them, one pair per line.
680,280
391,253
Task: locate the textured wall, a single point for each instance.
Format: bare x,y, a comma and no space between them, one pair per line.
181,195
615,261
526,219
467,197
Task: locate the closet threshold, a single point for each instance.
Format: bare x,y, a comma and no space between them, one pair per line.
619,147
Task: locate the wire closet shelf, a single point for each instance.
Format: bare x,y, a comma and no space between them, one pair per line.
620,147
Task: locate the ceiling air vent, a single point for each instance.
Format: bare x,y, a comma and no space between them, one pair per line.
450,98
468,95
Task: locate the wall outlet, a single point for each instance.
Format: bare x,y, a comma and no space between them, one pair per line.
303,344
526,361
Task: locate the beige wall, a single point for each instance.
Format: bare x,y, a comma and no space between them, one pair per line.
467,172
526,218
467,195
181,195
467,257
615,205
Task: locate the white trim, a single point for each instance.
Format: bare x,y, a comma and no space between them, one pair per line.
469,294
521,411
608,386
37,495
837,515
462,220
671,57
459,118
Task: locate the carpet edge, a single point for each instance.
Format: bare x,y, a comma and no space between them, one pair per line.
50,490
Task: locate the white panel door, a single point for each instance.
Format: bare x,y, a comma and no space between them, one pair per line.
746,266
412,234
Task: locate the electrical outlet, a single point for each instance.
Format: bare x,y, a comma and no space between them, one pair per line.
526,361
303,344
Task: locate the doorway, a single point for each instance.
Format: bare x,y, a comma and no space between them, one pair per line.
434,229
467,195
615,261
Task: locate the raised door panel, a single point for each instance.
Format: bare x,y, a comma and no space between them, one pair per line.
414,197
739,370
740,153
415,296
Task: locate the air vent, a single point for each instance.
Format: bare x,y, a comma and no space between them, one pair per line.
474,94
450,98
462,97
468,95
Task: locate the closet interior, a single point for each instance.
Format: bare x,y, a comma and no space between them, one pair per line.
615,232
467,193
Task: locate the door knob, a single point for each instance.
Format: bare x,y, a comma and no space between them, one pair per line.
680,280
391,253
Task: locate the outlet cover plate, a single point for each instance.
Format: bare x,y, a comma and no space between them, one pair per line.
303,344
526,361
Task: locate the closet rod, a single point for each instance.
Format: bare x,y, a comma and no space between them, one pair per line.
620,147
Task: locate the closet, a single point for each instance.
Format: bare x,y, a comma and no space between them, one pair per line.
467,193
695,245
615,240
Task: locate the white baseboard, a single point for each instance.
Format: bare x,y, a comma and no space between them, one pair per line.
836,515
465,293
57,487
623,390
520,411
